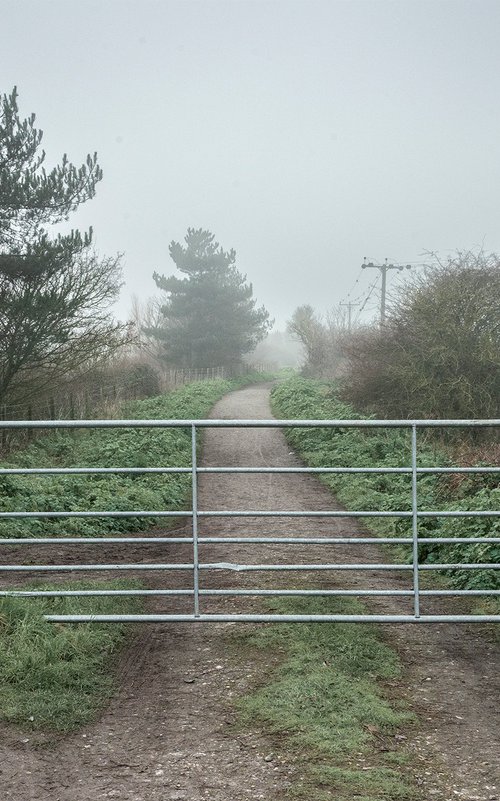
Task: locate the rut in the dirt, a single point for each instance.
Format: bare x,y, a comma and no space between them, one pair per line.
165,736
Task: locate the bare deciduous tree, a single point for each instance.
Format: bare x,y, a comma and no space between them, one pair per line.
321,339
57,322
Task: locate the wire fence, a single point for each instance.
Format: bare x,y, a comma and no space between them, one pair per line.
101,393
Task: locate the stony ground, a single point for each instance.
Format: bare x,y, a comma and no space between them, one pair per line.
167,736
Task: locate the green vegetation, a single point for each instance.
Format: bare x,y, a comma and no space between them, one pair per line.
209,316
55,294
109,448
59,676
305,398
321,340
438,352
329,699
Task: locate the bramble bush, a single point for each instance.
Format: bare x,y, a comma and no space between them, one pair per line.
438,352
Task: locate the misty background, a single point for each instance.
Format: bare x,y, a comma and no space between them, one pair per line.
306,135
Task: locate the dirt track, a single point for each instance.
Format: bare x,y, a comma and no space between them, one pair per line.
166,734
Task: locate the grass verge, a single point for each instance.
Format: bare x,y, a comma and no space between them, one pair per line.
332,705
109,448
306,398
53,675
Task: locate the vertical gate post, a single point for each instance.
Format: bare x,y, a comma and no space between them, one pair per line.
414,509
194,480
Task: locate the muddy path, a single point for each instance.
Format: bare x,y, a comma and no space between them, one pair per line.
165,736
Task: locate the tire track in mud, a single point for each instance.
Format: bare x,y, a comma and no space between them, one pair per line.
165,735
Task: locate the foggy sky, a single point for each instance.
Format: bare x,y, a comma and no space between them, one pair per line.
305,134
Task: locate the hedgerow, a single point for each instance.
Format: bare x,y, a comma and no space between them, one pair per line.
350,447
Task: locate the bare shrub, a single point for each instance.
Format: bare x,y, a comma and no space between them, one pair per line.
438,355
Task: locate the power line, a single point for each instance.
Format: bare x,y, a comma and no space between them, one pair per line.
371,289
355,282
383,268
350,305
347,297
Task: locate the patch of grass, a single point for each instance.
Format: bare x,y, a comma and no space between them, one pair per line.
368,784
53,675
328,699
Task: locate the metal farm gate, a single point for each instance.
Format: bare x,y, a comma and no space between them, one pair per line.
197,593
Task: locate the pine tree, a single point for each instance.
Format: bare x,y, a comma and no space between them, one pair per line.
210,317
32,198
54,294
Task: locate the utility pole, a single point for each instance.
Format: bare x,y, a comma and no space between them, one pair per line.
350,305
383,269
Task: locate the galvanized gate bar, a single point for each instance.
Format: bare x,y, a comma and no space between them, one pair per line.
238,592
194,495
251,513
239,568
250,423
244,618
414,510
242,540
18,471
413,470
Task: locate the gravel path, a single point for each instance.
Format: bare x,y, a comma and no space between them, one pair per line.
166,736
